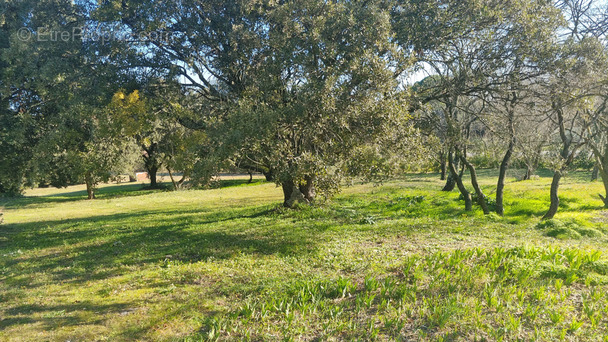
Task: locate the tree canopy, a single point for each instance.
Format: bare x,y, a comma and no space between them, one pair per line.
309,92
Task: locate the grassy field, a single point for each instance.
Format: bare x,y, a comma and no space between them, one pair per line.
401,261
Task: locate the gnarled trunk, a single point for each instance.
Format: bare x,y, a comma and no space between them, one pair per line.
289,193
481,198
504,164
450,183
307,189
152,163
554,195
294,192
176,184
529,172
468,202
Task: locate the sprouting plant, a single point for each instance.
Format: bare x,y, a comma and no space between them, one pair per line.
370,284
558,283
531,312
555,316
491,297
335,311
388,284
574,325
513,323
539,294
289,317
439,313
393,324
592,256
343,287
410,267
594,319
247,310
571,278
521,296
213,327
369,300
372,330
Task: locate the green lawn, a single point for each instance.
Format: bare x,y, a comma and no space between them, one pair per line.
397,261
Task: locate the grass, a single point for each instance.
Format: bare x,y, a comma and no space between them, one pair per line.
397,261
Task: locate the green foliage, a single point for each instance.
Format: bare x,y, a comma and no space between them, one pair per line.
306,89
35,78
83,147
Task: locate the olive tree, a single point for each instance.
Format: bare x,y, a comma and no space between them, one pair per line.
481,51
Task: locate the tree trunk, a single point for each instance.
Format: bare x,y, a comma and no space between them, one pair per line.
307,188
442,165
172,179
151,163
566,155
605,181
132,178
450,184
468,203
250,176
601,168
90,187
554,196
152,174
528,174
289,198
504,164
481,198
302,192
180,183
502,174
595,173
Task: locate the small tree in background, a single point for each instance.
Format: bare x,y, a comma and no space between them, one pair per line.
84,147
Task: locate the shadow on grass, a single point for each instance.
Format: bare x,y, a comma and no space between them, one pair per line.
98,247
77,251
108,192
54,316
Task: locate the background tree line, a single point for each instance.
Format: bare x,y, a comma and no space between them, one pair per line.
307,92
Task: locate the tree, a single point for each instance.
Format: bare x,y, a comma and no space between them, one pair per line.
307,81
36,74
573,88
141,122
153,125
586,33
53,89
83,146
480,50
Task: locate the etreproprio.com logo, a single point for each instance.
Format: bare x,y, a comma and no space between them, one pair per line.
45,34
